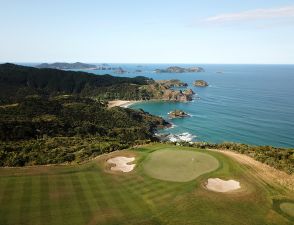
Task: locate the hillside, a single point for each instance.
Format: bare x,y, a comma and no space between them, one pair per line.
63,129
17,82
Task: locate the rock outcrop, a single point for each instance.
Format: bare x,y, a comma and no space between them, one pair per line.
177,114
163,91
200,83
178,95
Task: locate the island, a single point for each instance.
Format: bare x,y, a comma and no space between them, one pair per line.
172,83
67,66
177,69
200,83
177,114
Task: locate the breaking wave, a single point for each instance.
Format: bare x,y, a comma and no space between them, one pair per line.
186,137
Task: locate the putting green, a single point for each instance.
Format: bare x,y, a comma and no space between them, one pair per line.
179,165
288,208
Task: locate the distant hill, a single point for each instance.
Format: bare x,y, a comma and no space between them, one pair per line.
17,82
67,66
177,69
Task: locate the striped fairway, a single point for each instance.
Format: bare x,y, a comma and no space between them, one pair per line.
79,197
89,194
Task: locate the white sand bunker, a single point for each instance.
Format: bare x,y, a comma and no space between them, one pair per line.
219,185
121,164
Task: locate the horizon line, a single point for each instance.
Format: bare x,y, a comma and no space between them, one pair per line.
176,63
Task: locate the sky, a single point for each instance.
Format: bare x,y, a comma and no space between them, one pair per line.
148,31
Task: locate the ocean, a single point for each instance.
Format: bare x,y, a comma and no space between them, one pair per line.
252,104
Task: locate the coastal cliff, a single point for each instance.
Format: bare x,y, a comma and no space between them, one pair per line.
162,90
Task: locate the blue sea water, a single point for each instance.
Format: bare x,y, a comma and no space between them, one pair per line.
251,104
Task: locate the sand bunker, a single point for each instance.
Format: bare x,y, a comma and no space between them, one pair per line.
121,164
219,185
288,208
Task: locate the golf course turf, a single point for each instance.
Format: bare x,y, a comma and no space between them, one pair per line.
182,166
93,194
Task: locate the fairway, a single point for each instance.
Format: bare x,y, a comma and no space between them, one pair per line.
92,194
179,166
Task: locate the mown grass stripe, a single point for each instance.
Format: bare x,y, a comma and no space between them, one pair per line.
69,205
56,202
131,204
8,192
84,206
3,185
11,204
95,189
45,210
25,202
108,191
142,209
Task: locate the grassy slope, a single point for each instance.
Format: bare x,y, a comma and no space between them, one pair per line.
87,194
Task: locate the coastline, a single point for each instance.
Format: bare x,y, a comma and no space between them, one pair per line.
127,103
121,103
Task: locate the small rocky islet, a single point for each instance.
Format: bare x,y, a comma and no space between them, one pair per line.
177,114
200,83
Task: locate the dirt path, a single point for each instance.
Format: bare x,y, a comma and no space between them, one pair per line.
267,173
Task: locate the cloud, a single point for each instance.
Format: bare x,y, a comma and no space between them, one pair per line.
253,15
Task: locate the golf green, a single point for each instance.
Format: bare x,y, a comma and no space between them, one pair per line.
179,165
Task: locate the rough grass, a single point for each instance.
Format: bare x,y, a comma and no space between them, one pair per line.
179,166
90,194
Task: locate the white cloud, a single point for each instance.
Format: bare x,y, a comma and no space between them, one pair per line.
253,15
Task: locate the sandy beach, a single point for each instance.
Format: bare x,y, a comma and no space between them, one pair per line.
120,103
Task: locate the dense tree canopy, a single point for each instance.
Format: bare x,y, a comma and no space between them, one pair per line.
37,121
16,82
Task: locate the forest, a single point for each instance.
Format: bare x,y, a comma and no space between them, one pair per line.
41,130
17,82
